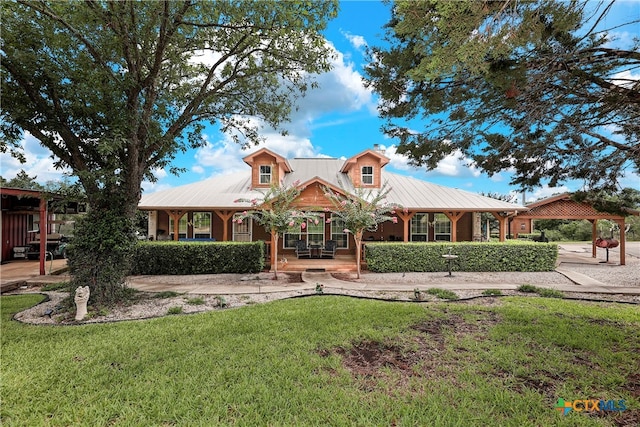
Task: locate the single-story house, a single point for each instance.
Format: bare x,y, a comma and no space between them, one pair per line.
205,210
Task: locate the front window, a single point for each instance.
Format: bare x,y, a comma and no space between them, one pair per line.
202,225
420,227
182,227
241,229
315,232
265,174
442,228
367,175
338,234
291,238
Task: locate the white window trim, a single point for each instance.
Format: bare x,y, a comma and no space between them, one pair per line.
444,219
372,175
250,230
335,230
264,174
411,233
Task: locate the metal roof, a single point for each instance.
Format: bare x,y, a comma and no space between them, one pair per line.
221,192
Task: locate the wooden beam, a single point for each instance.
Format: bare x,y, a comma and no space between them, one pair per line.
225,216
594,232
502,220
623,254
454,217
44,229
406,218
176,215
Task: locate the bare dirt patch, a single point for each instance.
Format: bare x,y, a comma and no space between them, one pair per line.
418,355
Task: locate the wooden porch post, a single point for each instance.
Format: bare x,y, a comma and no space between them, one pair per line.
225,216
176,215
405,217
454,217
623,239
501,219
594,231
44,228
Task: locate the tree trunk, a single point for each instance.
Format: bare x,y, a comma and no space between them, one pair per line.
101,252
274,238
358,239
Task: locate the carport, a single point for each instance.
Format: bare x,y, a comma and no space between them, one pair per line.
563,206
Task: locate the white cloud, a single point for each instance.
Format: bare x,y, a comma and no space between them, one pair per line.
544,192
38,162
356,41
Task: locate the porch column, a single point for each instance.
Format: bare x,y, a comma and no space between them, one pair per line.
454,217
225,216
406,218
502,220
594,232
623,239
176,215
44,228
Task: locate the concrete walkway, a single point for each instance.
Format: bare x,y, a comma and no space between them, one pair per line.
21,273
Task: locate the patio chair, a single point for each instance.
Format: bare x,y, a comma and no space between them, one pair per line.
302,250
329,249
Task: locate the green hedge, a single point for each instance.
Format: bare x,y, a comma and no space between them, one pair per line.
472,256
156,258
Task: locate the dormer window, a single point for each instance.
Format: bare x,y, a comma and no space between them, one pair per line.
265,174
367,175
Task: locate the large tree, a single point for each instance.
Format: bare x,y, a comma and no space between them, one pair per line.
116,88
539,87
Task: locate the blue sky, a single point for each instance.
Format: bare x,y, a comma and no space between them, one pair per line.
337,120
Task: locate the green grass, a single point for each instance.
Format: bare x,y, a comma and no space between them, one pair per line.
492,292
60,286
442,293
543,292
283,363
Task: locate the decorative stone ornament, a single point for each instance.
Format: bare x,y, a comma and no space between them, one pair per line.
81,299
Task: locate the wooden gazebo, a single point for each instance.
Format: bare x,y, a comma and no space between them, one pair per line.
563,206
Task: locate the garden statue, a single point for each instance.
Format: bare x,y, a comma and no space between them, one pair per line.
81,298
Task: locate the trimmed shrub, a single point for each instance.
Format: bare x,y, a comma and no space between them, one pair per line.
157,258
472,256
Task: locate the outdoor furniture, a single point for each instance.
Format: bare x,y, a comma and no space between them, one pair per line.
302,250
329,249
315,249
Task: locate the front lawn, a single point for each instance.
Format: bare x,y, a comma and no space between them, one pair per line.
328,360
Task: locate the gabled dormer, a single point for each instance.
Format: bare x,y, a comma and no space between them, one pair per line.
267,168
365,168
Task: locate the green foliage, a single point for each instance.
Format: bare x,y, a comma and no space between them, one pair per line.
119,88
472,256
23,181
363,210
491,292
175,310
527,289
605,201
276,212
532,86
291,363
100,255
443,293
195,301
543,292
60,286
549,293
197,257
